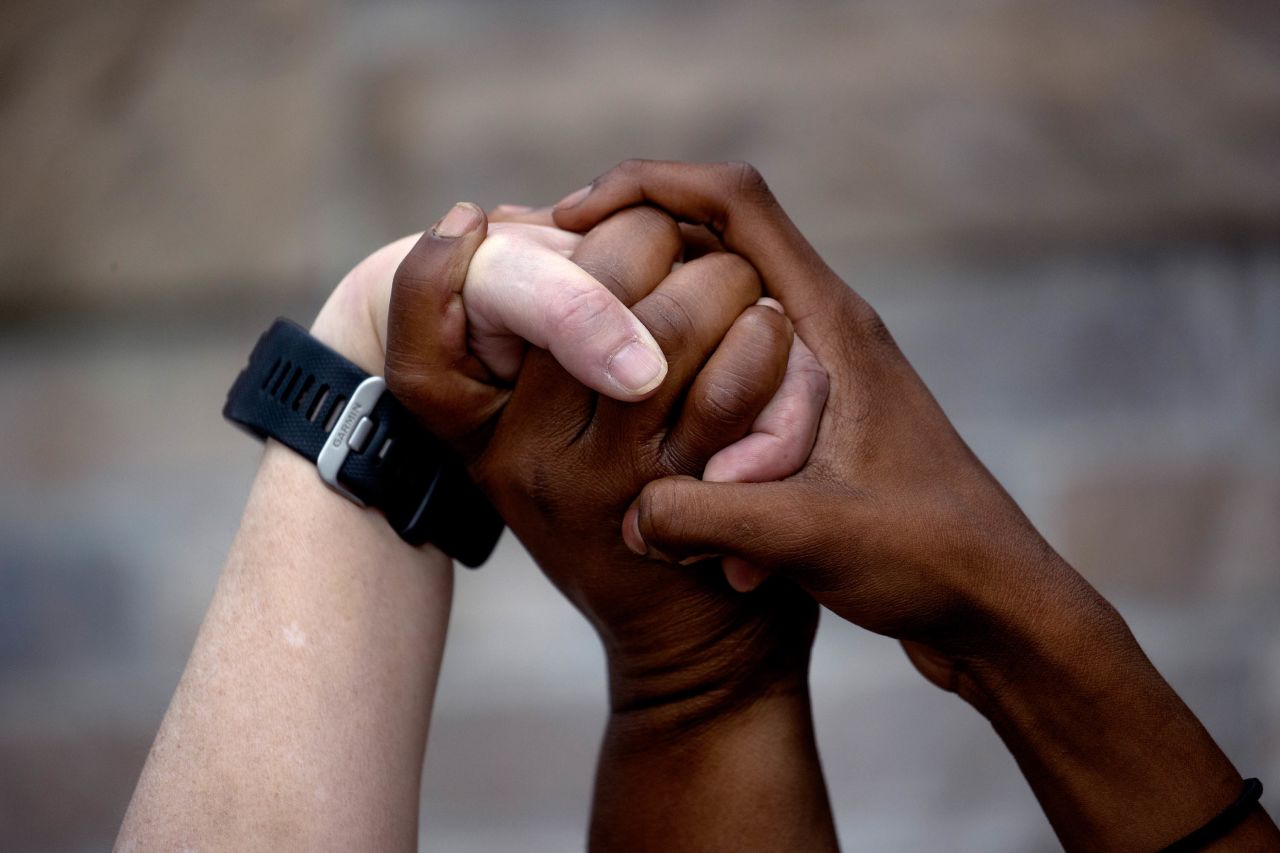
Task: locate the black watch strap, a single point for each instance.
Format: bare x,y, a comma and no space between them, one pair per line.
365,444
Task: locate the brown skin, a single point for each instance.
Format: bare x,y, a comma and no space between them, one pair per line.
895,525
709,744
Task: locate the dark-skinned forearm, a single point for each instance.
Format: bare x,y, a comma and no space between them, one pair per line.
1115,757
744,779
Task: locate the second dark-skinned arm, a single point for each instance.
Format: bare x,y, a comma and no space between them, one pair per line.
896,526
709,744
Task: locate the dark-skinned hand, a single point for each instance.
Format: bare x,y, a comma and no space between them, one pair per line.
895,525
562,462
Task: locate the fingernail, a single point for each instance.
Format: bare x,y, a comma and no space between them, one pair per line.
634,541
574,198
458,221
741,575
637,367
767,302
631,532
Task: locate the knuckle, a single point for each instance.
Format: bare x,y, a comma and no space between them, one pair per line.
580,311
629,241
659,515
631,166
727,268
734,266
609,271
667,318
747,180
653,221
768,326
816,378
759,343
816,383
812,376
872,327
728,400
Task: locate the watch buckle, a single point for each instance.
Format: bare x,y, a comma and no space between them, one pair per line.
350,432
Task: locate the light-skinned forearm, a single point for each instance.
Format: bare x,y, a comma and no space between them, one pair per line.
301,719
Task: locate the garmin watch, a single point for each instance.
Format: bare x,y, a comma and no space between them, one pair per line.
365,444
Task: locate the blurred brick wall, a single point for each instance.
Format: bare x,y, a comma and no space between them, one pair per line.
1068,214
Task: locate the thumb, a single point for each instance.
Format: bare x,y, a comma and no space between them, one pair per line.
684,519
519,289
428,366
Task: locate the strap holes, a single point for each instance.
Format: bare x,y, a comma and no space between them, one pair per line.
293,380
313,411
284,371
302,392
271,374
339,404
384,450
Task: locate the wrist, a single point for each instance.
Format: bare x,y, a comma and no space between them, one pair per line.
346,323
683,681
678,704
1117,760
689,729
1053,631
339,517
354,318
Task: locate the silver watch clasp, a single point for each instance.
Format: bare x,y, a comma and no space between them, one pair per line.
350,432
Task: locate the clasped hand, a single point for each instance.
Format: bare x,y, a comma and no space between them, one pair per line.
701,434
503,338
763,417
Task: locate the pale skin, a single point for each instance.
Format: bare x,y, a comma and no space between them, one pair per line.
301,719
302,716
